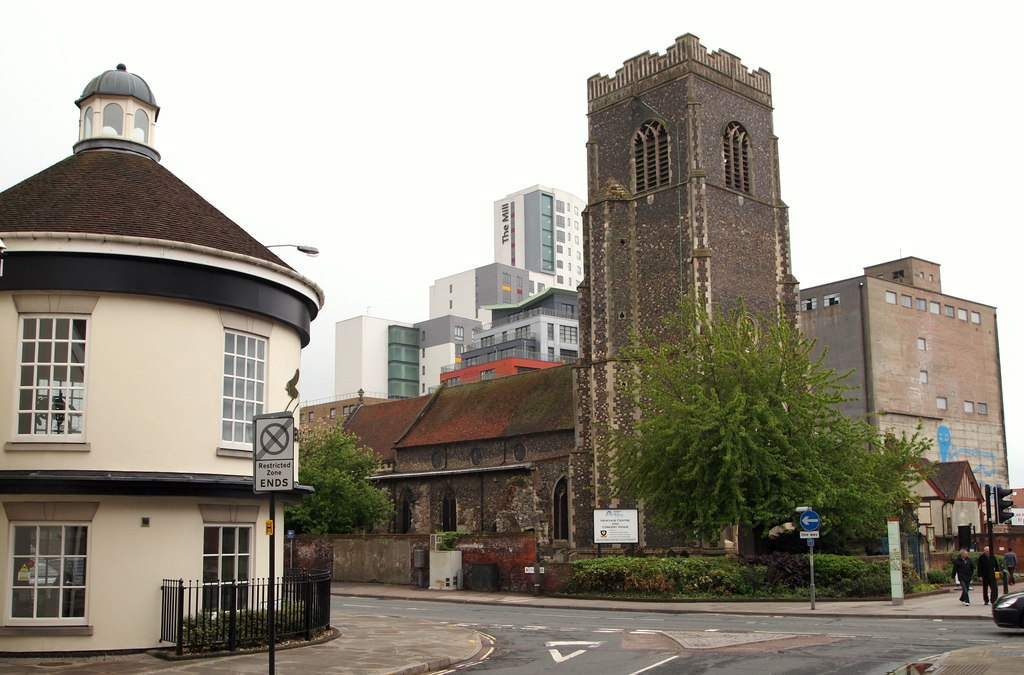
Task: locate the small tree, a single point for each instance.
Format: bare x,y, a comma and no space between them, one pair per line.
739,424
344,500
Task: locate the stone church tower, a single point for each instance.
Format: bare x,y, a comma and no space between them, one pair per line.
683,180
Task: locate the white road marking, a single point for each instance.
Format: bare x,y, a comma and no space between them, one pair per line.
637,672
559,658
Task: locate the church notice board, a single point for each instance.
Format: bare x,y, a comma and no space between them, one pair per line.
616,526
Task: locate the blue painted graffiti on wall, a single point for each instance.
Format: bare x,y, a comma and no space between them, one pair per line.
977,458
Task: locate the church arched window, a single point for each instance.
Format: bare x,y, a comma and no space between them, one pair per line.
560,510
736,155
449,517
650,156
405,514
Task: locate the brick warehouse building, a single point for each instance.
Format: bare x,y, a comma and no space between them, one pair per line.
918,356
683,180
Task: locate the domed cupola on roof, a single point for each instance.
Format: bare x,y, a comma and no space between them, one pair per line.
118,112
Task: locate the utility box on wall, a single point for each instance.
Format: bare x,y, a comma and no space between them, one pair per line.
483,577
446,570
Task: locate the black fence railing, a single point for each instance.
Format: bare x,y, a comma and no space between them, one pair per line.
230,615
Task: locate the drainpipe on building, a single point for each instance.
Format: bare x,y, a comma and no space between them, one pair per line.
865,338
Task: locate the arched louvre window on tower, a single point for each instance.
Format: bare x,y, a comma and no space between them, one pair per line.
650,156
736,154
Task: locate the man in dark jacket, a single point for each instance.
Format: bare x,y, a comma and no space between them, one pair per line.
1010,563
987,574
963,568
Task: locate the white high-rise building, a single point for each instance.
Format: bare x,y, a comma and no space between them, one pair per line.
539,229
379,356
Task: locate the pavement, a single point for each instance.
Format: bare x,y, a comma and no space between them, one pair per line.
372,645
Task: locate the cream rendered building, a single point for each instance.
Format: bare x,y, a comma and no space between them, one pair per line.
144,329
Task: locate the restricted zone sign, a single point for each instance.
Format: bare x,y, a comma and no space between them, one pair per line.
273,452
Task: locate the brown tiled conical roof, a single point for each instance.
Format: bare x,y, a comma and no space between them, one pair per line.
125,194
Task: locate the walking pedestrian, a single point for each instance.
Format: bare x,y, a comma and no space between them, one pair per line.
963,568
987,574
1010,562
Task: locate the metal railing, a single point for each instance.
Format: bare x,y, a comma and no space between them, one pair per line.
530,313
496,340
343,397
490,357
229,615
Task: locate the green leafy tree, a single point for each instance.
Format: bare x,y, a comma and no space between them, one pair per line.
344,501
739,424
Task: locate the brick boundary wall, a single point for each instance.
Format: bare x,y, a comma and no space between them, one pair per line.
392,559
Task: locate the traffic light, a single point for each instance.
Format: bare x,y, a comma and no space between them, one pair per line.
1004,504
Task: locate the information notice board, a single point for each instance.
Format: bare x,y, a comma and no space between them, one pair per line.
616,526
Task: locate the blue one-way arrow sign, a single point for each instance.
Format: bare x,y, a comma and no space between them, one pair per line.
809,520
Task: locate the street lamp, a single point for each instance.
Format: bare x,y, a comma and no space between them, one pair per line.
311,251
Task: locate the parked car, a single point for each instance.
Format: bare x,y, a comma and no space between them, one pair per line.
1008,610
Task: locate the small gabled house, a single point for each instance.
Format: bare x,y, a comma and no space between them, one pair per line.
950,510
143,330
490,456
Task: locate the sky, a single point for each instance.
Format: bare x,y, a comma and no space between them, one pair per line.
383,132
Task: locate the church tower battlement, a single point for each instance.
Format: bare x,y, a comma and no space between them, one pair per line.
687,55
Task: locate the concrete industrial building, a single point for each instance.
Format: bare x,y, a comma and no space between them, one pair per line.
918,356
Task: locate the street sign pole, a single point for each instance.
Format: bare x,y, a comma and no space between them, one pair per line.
810,544
271,606
273,471
810,521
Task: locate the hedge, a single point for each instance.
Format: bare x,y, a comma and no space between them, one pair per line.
775,575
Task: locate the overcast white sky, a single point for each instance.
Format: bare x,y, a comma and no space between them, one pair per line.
383,132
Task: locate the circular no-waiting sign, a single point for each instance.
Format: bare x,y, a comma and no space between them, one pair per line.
275,438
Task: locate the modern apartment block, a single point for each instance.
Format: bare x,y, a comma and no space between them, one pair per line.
540,229
540,332
917,356
392,359
443,340
538,247
469,293
379,356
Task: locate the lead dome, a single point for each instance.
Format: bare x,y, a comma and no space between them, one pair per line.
118,112
119,82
